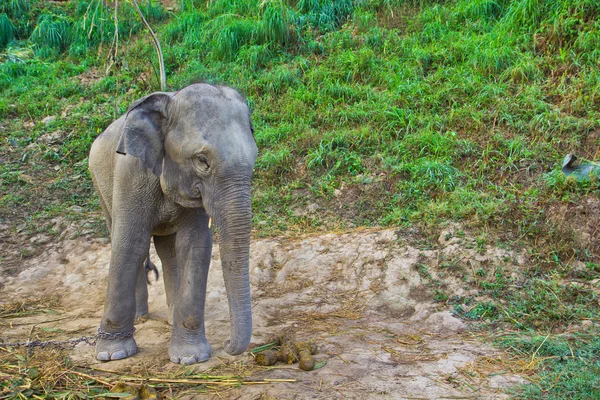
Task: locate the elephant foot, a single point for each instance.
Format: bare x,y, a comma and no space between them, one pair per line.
189,353
141,312
141,319
117,349
170,316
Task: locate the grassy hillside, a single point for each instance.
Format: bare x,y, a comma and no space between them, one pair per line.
367,113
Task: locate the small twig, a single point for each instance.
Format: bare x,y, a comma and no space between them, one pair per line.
538,349
224,382
161,62
91,377
373,351
340,357
100,369
116,29
39,323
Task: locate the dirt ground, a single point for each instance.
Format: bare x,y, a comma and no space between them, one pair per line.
362,296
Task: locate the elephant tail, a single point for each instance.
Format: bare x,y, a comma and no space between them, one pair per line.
148,268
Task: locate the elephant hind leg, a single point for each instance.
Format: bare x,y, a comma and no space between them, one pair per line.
141,288
165,247
141,291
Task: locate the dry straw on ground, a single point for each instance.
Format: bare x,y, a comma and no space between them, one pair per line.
51,373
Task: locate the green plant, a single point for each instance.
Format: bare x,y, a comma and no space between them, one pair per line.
52,33
6,31
230,39
275,24
568,364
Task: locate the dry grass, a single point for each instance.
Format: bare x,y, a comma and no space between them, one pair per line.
26,308
51,373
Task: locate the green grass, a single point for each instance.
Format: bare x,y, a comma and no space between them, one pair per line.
6,30
569,365
408,113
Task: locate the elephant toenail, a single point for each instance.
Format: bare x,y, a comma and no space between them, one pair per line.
131,352
103,356
188,360
203,357
174,359
118,355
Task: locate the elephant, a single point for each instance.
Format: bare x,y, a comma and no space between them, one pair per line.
167,168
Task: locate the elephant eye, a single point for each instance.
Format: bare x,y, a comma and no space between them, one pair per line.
201,163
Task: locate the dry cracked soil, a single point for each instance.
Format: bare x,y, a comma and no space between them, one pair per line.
361,296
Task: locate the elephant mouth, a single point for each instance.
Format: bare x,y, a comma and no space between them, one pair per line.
189,203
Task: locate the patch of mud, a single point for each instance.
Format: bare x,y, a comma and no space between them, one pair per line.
91,77
582,219
362,296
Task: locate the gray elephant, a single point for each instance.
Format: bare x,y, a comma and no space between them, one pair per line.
167,167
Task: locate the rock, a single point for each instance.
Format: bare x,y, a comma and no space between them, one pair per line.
448,236
50,138
337,192
49,119
76,209
505,381
66,111
299,212
313,207
39,239
28,125
26,178
586,323
444,322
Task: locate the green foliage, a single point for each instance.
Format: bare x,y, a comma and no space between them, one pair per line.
336,155
16,8
6,31
52,34
230,39
16,55
569,365
275,24
484,10
53,29
549,302
479,311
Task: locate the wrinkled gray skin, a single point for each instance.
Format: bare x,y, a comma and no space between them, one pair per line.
162,170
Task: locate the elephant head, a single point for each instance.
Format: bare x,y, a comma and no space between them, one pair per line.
200,143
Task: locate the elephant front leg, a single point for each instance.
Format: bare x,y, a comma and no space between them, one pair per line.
115,339
193,246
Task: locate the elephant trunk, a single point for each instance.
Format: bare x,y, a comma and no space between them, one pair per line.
233,218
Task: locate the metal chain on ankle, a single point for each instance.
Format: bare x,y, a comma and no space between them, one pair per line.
69,343
113,336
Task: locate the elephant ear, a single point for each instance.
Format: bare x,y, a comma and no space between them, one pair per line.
142,133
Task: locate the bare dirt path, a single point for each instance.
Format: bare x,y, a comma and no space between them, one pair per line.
361,296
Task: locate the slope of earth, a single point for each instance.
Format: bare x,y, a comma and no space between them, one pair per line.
367,113
360,296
